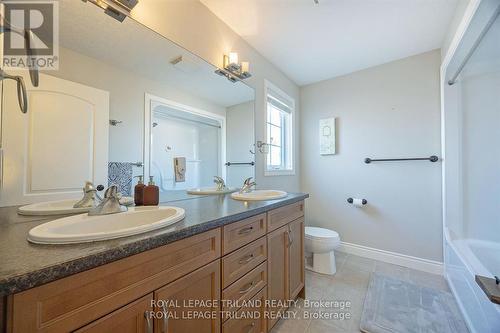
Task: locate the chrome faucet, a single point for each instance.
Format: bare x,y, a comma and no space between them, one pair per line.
110,204
221,185
90,197
247,185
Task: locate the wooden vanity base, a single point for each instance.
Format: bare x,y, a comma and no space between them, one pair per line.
258,258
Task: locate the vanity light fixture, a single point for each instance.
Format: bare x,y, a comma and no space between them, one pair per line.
232,69
117,9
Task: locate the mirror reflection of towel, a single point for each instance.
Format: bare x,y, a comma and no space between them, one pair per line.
120,174
180,169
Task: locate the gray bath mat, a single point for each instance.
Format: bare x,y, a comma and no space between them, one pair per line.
395,306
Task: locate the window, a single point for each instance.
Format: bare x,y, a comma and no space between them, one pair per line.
279,133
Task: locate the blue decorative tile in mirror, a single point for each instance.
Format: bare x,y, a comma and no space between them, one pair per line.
120,174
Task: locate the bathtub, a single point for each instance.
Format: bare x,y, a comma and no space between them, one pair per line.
465,258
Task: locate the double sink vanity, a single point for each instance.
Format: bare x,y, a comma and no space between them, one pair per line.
224,259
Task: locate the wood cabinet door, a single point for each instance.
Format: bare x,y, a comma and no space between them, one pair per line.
191,303
77,300
132,318
277,267
296,257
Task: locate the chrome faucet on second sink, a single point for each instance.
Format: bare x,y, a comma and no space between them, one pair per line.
247,185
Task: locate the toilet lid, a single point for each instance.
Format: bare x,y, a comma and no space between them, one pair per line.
320,233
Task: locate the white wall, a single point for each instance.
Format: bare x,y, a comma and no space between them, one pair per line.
192,25
392,110
470,110
481,156
479,88
239,141
196,142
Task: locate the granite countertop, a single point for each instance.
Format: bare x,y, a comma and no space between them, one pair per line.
24,265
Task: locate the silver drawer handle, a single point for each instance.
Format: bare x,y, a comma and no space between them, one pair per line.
245,230
289,232
246,259
252,326
250,286
149,325
165,319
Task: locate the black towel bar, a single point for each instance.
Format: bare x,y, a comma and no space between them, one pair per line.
432,158
239,163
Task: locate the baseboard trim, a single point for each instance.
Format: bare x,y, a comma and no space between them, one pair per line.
430,266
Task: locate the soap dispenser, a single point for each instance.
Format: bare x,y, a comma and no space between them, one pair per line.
139,192
151,193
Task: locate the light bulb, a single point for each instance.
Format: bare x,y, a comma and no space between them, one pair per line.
245,66
233,58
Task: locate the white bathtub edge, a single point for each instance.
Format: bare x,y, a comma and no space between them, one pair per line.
480,315
467,319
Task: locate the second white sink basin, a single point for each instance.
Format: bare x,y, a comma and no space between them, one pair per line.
61,207
211,190
259,195
83,228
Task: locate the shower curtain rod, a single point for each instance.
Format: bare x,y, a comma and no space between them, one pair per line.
483,33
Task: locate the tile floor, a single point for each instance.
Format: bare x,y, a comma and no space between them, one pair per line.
349,284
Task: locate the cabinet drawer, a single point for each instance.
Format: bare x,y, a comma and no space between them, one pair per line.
255,324
244,288
240,233
129,319
236,264
280,216
74,301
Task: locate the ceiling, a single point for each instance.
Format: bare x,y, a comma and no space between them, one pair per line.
310,42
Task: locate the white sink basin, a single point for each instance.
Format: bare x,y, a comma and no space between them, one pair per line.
259,195
60,207
211,190
83,228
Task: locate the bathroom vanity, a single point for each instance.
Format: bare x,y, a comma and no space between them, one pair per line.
224,253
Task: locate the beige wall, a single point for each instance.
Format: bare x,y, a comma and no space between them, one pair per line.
193,26
239,141
392,110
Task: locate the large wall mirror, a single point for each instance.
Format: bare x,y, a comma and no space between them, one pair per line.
124,102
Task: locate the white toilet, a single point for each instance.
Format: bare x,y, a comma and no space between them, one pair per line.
321,243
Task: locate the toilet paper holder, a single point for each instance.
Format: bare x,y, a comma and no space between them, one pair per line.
351,200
